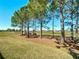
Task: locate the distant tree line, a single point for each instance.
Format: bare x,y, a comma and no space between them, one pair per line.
10,30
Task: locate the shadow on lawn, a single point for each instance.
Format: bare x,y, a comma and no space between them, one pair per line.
1,56
74,55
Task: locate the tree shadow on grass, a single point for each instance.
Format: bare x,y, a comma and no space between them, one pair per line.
1,56
74,54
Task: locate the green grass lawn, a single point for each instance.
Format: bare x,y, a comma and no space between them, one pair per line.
12,47
67,34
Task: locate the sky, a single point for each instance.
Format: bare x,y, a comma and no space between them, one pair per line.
7,8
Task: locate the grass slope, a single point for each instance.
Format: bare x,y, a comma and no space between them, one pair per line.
11,48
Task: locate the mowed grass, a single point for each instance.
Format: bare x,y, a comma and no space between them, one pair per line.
58,33
12,47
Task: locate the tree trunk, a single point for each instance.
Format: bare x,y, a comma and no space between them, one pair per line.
28,29
41,27
22,28
72,30
53,25
22,24
77,23
25,29
34,26
62,23
72,23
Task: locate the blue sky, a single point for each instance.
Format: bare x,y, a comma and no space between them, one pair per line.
7,8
